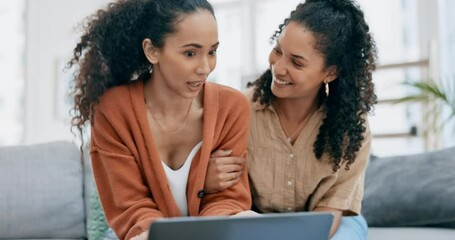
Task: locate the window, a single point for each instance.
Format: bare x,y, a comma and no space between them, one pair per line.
397,26
395,127
229,66
245,28
447,52
12,25
270,14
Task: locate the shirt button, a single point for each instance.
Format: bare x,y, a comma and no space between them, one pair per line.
291,156
201,193
289,183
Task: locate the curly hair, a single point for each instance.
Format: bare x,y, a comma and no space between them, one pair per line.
110,52
344,40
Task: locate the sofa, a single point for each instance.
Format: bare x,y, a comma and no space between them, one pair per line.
44,192
47,192
411,196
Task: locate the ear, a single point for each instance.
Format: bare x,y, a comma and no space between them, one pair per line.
332,73
151,52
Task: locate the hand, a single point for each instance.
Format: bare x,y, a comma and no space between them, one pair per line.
337,213
247,213
142,236
223,171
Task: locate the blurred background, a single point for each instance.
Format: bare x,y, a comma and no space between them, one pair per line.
415,40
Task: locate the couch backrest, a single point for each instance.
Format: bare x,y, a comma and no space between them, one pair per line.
411,190
42,192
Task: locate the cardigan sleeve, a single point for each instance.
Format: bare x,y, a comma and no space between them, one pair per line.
125,197
233,136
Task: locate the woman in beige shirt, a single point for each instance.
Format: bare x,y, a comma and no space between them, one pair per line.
309,136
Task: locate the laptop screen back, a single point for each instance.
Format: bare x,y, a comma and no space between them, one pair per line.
280,226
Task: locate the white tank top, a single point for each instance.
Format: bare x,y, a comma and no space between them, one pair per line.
178,180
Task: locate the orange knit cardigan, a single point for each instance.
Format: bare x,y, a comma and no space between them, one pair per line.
129,176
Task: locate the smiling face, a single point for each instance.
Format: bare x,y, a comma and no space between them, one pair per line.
188,56
298,68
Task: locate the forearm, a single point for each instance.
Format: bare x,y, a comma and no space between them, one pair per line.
228,202
336,218
233,136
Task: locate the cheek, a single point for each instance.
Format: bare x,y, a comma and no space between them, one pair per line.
272,58
212,64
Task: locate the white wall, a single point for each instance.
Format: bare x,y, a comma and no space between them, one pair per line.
51,36
11,66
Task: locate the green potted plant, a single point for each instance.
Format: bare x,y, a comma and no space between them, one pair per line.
438,102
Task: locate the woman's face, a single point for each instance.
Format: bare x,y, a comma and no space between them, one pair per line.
188,55
298,68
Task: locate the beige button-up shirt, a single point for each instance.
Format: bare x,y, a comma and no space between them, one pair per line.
289,178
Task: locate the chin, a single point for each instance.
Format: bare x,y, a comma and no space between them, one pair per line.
191,95
279,93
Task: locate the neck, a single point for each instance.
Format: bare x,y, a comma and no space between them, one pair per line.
295,110
162,99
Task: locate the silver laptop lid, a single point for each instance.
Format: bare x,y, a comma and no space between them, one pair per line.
277,226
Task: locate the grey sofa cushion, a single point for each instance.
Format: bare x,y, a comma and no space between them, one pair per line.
41,192
412,190
410,233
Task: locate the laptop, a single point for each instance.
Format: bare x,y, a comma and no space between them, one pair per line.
276,226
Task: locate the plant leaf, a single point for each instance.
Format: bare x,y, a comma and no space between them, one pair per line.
431,89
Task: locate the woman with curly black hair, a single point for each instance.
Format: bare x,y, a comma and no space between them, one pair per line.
141,85
309,138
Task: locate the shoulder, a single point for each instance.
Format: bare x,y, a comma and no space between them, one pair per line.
229,92
249,92
231,105
230,97
118,99
113,94
366,124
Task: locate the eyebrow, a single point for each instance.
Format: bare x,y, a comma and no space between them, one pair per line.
299,57
197,45
292,55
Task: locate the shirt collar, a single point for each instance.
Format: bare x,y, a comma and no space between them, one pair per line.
256,105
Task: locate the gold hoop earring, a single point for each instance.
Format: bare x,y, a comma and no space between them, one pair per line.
326,89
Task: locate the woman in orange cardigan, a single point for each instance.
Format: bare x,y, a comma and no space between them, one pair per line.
141,85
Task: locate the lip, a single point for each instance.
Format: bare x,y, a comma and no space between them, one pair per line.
195,85
279,83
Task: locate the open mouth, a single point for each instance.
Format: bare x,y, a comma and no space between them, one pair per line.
281,82
277,81
195,84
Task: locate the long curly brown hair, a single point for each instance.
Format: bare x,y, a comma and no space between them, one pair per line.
344,39
110,53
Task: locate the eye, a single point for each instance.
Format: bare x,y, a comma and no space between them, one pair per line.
277,50
297,64
213,52
190,53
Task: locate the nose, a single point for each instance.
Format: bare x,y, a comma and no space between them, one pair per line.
204,67
279,69
278,64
